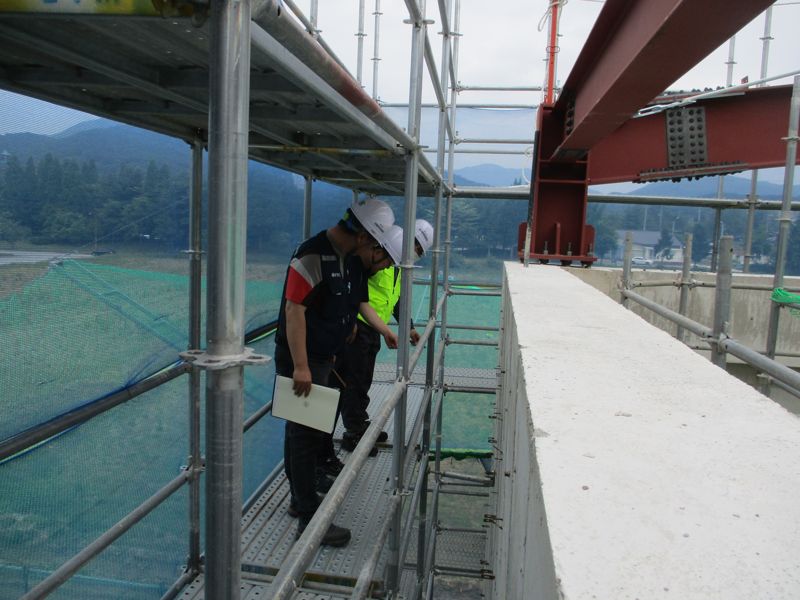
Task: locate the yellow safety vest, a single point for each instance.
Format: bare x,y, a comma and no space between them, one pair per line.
384,292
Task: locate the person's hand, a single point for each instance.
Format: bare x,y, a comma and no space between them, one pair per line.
391,339
301,381
414,337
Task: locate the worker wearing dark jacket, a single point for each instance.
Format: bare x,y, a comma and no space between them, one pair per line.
324,290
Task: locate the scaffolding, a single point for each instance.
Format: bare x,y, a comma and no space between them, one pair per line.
249,81
270,80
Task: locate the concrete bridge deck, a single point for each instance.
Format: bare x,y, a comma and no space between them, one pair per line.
633,467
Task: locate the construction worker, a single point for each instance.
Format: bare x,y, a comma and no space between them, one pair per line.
324,290
356,362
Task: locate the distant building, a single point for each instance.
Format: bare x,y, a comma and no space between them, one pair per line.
644,245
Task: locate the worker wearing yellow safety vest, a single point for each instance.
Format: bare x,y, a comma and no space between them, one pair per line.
356,363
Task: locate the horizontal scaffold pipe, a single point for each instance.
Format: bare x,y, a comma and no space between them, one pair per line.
470,327
762,363
465,105
457,292
784,387
741,286
475,342
693,202
520,142
523,192
294,41
310,28
748,355
482,151
39,433
489,88
469,389
685,322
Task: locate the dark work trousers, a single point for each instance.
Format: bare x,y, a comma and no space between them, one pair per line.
302,445
355,365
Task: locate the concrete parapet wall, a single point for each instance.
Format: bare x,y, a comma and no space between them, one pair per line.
749,308
631,467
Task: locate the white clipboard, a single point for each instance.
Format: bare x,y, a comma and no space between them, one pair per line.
317,410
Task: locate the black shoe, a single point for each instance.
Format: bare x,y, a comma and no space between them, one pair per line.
292,510
332,465
350,440
382,436
335,536
323,481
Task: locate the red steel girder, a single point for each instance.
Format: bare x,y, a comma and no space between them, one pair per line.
636,49
742,131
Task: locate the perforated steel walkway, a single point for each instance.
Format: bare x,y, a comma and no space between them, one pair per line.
268,531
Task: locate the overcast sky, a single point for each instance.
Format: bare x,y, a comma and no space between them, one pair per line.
501,45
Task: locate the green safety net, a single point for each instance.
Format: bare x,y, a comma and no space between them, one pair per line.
76,331
781,296
466,422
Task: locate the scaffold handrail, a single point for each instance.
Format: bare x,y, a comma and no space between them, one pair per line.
28,438
751,357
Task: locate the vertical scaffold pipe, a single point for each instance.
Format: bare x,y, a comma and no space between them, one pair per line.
360,35
307,196
406,288
195,291
227,216
430,376
448,244
552,53
626,266
376,56
785,220
753,198
721,179
686,278
526,250
722,299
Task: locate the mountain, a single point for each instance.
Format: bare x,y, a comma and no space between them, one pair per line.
85,126
111,144
491,175
106,143
706,187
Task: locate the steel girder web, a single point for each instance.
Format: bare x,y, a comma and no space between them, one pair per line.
635,50
726,134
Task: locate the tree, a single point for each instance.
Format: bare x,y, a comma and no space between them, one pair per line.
663,248
10,230
793,250
605,224
701,242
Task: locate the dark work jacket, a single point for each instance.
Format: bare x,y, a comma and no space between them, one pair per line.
333,301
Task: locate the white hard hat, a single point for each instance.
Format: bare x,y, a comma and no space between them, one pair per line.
424,234
394,243
375,216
